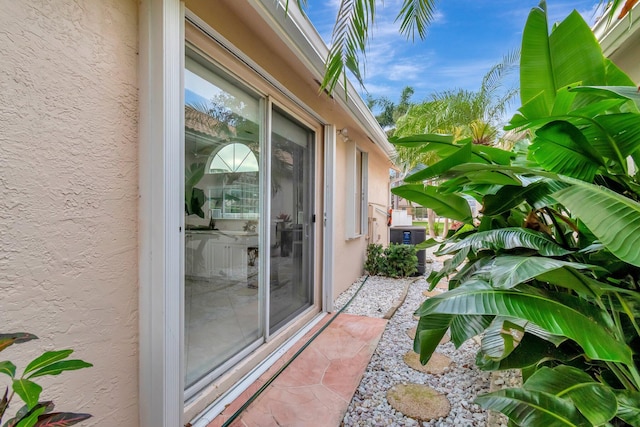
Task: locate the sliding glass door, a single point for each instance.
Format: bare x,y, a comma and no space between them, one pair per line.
291,287
231,305
223,123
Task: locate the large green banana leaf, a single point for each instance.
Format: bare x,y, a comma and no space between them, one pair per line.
451,155
615,136
461,156
513,173
449,266
531,351
420,140
429,333
536,71
431,329
548,312
445,205
560,147
549,62
583,285
629,92
594,400
505,334
509,238
576,55
613,218
628,406
507,271
531,408
537,195
501,338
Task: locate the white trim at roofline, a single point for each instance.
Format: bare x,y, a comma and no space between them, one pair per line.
161,163
295,29
612,34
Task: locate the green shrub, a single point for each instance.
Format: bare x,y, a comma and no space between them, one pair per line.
400,260
375,259
395,261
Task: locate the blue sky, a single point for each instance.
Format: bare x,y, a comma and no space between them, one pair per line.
467,38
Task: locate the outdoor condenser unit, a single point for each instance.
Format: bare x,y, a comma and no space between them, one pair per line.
409,235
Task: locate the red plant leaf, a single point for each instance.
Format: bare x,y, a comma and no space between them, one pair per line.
60,419
15,338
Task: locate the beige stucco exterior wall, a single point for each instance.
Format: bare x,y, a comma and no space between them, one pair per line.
626,57
68,196
620,40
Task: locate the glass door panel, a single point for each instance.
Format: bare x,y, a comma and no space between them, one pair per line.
222,143
290,287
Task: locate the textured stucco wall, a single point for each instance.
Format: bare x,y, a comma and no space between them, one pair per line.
626,57
68,195
351,254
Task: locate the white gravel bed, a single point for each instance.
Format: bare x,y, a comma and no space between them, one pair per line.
375,298
461,384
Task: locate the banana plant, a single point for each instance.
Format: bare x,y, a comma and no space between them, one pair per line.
549,273
34,412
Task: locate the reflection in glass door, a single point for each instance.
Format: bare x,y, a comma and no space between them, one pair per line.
222,144
290,285
231,305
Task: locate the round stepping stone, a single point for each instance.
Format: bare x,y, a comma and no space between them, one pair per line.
438,364
411,333
418,401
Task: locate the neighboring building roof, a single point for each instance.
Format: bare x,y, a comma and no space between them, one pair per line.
295,30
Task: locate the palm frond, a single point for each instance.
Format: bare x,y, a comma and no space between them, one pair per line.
349,41
415,16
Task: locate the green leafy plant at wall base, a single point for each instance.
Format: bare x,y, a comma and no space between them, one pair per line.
374,264
400,261
36,413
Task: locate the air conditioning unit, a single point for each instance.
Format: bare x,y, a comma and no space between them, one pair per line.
409,235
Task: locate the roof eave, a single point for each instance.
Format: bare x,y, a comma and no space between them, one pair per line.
297,32
612,33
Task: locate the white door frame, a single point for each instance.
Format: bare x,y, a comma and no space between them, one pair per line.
161,218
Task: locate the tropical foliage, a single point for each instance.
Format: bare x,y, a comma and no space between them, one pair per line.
548,275
36,413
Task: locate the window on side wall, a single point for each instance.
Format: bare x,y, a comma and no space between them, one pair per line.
356,183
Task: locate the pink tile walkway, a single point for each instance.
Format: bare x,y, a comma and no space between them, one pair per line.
315,390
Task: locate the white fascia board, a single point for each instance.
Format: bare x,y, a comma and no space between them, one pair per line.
295,29
612,34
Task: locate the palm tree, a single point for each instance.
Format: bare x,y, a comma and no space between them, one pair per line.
477,115
389,110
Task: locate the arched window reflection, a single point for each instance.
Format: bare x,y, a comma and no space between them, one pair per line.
232,158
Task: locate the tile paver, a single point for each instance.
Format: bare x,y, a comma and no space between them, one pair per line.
316,388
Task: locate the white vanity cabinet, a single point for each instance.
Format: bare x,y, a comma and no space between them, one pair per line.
218,254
